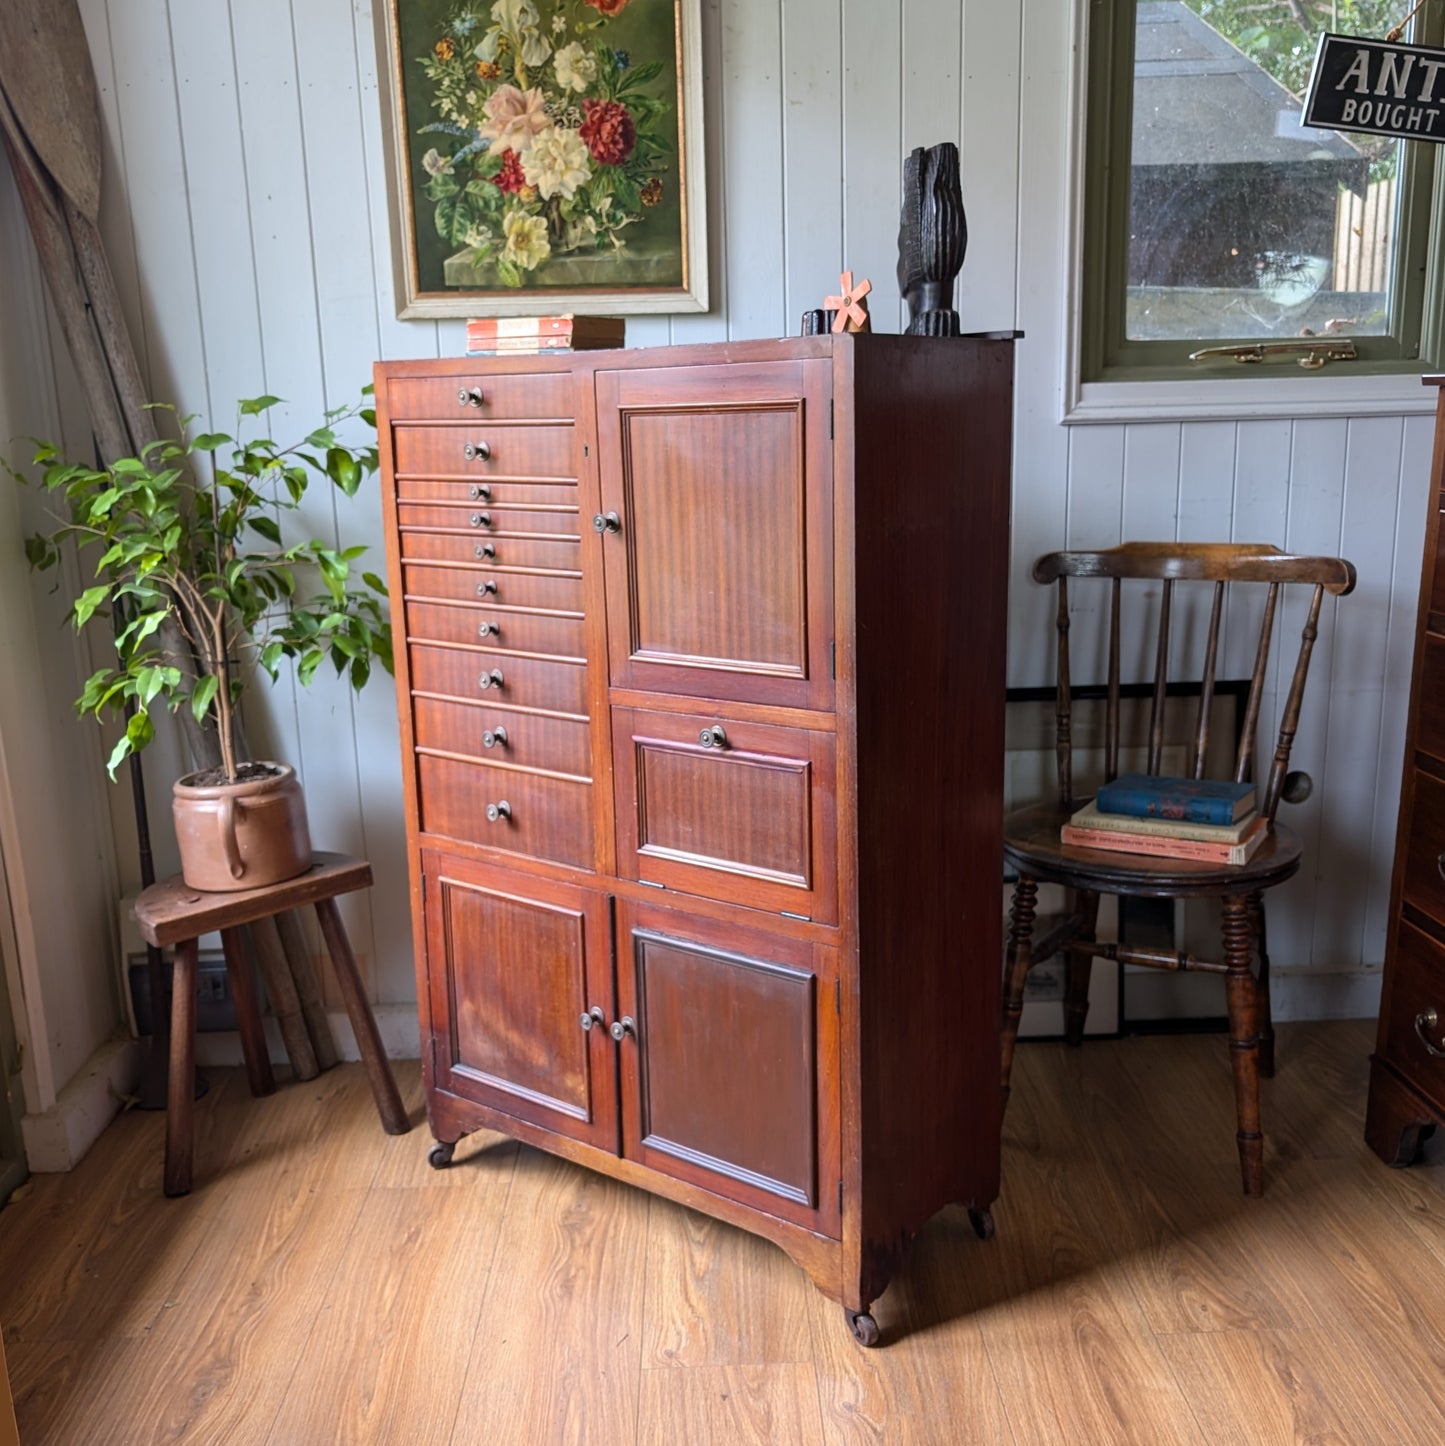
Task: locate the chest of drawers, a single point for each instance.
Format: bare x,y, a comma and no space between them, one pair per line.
701,697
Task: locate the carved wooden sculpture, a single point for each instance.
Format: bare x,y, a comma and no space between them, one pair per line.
932,239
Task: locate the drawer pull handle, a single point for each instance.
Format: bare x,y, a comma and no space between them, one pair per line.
713,737
492,679
481,519
496,812
489,630
477,451
606,522
593,1016
1440,863
494,737
479,492
621,1028
470,397
485,550
1426,1024
483,588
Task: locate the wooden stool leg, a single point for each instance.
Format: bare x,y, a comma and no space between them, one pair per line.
181,1083
363,1022
1020,932
1079,970
248,1013
1244,1040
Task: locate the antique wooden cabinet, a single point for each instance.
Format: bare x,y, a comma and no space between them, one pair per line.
701,703
1407,1070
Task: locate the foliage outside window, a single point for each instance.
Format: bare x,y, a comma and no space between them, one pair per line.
1212,216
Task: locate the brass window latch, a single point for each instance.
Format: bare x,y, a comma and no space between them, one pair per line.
1311,355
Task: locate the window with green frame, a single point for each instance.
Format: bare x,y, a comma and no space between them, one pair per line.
1212,217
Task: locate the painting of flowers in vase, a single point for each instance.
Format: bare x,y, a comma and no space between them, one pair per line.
546,156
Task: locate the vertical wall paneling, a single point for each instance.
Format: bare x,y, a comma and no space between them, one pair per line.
1096,490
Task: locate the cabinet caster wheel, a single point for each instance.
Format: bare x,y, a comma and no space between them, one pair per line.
982,1222
863,1326
440,1156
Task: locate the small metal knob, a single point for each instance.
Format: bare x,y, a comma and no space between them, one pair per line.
485,550
479,492
492,679
496,812
593,1016
477,451
713,737
494,737
1440,863
483,588
489,630
621,1028
606,522
469,397
1426,1023
481,519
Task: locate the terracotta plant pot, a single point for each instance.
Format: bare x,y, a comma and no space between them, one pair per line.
242,835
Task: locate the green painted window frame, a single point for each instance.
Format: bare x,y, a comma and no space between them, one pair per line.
1418,291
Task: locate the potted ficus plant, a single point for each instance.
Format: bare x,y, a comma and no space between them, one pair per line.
193,572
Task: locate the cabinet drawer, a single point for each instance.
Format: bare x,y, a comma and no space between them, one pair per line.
486,518
747,815
514,589
1425,851
530,740
561,554
1430,730
503,492
539,396
478,450
497,628
546,818
1416,989
479,673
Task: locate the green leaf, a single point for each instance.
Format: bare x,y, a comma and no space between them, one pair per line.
375,583
201,696
256,405
367,415
267,527
118,753
209,441
88,602
270,656
343,470
322,437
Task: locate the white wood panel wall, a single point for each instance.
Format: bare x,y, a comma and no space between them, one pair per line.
245,210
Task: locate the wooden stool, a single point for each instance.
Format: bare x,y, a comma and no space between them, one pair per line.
171,913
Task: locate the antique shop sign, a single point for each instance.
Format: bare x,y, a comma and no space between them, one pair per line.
1378,87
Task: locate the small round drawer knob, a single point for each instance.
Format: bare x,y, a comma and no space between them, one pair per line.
479,492
593,1016
481,519
492,679
713,737
606,522
489,630
496,812
477,451
483,588
485,551
494,738
469,397
621,1028
1440,863
1427,1022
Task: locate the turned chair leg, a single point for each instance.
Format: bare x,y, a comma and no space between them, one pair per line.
1255,905
1244,1040
1020,932
1079,969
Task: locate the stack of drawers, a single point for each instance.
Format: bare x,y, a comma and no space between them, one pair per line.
490,547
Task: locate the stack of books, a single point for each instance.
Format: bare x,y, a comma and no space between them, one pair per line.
1177,818
514,335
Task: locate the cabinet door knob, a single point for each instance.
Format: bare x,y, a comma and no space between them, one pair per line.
593,1016
477,451
483,588
493,737
496,812
481,519
621,1028
491,679
606,522
479,492
713,737
485,550
1426,1023
469,397
489,630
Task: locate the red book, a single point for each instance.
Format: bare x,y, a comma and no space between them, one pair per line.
1168,848
486,330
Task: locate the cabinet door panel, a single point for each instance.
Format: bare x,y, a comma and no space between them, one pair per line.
512,966
719,575
730,1079
748,816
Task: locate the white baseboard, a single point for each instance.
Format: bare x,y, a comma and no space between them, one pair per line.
59,1138
396,1023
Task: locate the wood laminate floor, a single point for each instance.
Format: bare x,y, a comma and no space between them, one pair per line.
322,1284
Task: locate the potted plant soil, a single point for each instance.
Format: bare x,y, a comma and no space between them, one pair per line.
197,580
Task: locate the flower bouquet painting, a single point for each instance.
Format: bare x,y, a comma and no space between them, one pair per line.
546,155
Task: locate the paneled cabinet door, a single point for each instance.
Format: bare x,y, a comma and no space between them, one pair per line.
730,1061
717,490
515,969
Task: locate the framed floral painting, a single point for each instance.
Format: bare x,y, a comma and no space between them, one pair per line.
545,155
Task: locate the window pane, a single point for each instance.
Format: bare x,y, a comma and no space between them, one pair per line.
1242,223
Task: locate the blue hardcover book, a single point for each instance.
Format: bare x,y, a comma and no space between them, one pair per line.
1189,800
